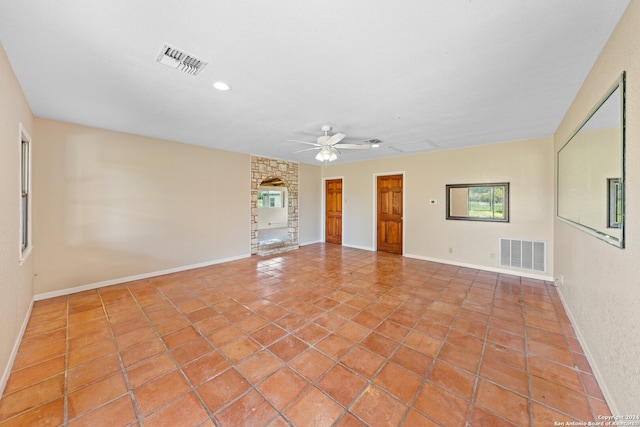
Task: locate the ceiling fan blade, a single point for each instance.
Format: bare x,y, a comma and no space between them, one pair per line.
307,149
335,139
315,144
353,146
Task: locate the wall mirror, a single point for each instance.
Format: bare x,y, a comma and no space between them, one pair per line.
478,202
590,187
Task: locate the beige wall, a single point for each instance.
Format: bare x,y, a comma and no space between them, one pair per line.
527,165
112,205
16,284
310,200
601,287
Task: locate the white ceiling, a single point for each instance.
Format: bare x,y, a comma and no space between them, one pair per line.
439,73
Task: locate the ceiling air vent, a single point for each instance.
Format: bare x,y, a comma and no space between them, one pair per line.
180,60
409,147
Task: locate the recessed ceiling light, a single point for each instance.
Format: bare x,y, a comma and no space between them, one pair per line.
222,86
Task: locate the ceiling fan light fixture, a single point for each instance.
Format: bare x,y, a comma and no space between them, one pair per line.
326,155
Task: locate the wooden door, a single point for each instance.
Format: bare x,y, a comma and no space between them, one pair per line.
389,201
333,211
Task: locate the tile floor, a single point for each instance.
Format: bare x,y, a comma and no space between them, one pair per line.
324,335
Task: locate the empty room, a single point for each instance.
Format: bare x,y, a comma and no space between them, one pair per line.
319,213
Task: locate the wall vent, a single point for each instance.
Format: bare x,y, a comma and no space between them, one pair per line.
524,254
180,60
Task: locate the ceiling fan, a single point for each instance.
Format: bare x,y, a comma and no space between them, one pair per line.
329,145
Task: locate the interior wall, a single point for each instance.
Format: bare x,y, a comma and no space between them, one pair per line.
310,204
16,279
526,165
112,205
600,285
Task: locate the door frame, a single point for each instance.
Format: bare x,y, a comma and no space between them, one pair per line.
374,242
324,207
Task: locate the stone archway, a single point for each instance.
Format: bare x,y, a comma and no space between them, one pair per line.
263,168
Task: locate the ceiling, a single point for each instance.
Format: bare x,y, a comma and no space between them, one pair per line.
417,74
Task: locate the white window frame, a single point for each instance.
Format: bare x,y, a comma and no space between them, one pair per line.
24,195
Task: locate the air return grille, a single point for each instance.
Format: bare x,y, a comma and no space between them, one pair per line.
180,60
525,254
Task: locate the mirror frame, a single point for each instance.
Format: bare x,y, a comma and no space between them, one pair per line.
620,181
505,202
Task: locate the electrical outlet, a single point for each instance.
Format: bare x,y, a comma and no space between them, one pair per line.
492,255
450,250
433,202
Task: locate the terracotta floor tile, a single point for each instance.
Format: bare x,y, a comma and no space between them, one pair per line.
27,357
363,361
452,379
282,387
311,364
49,414
442,405
186,410
224,336
559,374
34,374
240,348
313,408
259,366
398,382
423,343
223,389
482,418
179,337
378,408
412,360
205,367
311,333
460,357
328,334
139,352
561,398
352,331
349,420
503,402
90,372
341,384
288,347
117,412
95,394
249,410
30,397
191,350
149,369
334,346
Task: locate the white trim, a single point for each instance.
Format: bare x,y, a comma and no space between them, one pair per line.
120,280
364,248
14,351
23,254
484,268
313,242
374,243
594,368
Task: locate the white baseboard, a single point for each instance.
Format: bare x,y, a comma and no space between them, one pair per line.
594,368
520,273
14,351
364,248
117,281
313,242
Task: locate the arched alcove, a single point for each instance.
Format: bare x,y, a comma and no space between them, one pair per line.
274,173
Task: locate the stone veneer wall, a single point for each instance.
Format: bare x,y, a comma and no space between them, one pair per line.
261,168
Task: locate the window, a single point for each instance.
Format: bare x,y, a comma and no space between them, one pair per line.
478,202
25,194
270,199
